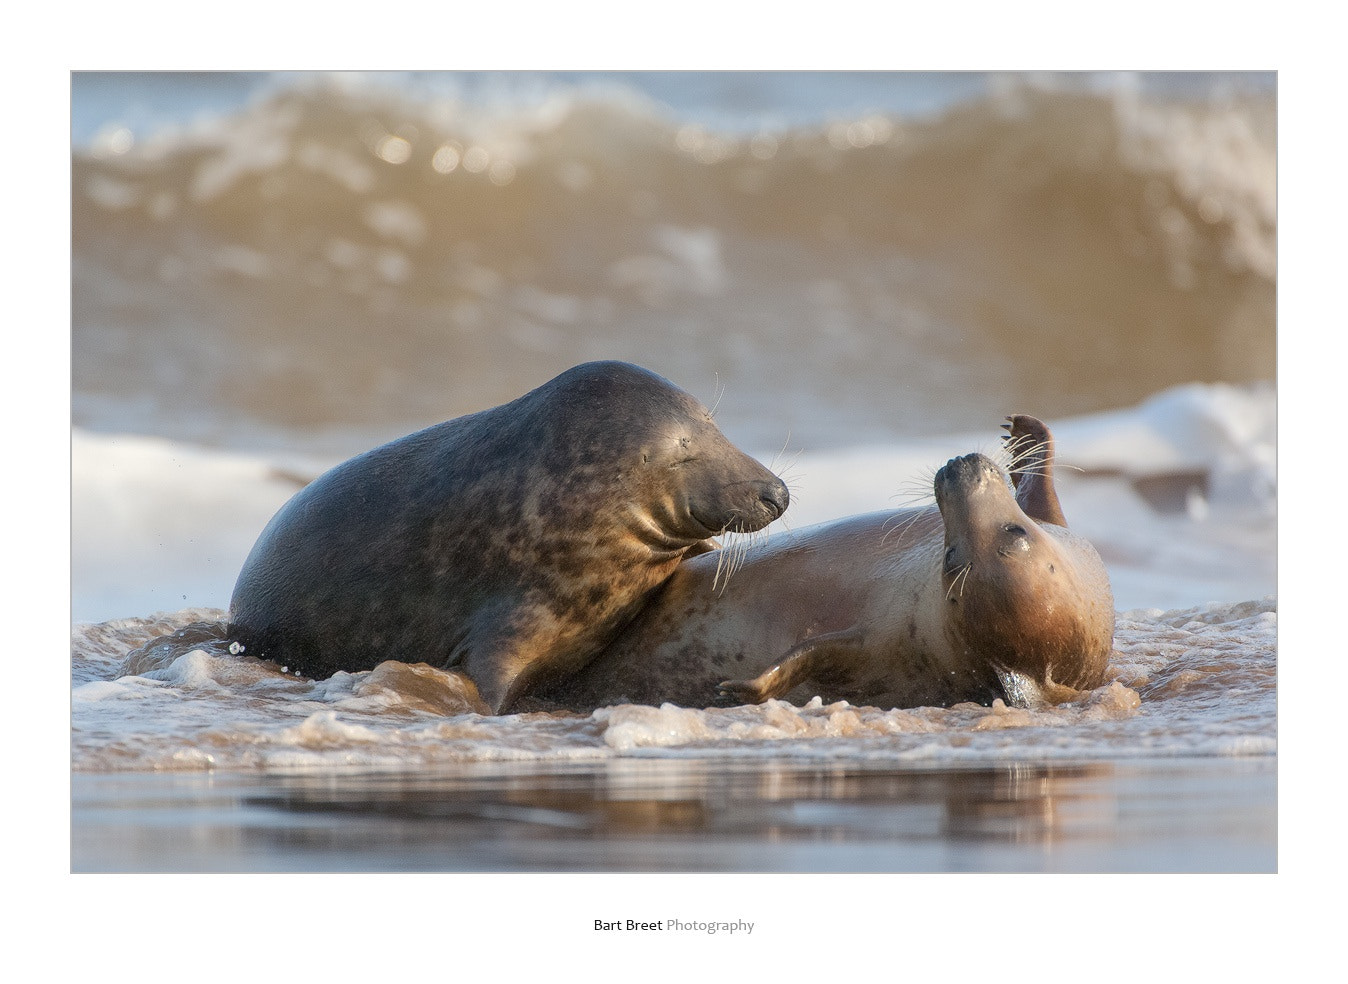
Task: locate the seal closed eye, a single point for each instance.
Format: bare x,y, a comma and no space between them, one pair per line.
512,543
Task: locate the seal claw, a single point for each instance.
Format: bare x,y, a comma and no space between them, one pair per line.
739,692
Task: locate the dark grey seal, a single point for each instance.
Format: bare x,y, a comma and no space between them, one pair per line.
512,544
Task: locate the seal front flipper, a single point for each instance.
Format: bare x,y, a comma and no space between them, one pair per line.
1030,444
502,667
1024,691
826,658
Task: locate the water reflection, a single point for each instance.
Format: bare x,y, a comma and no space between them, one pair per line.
687,815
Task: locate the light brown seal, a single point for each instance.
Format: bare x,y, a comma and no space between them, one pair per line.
985,595
511,544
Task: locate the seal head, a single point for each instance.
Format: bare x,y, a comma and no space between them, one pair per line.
1025,597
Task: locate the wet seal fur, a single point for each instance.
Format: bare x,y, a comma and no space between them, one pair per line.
511,544
985,596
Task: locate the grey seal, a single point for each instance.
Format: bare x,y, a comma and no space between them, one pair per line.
511,544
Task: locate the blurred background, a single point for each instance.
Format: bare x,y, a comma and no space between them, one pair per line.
274,271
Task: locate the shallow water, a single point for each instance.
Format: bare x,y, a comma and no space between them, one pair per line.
1197,682
690,815
189,757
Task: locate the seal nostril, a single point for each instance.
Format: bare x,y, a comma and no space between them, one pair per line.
776,498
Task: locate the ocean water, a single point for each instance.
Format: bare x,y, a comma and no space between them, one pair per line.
864,273
339,260
1191,682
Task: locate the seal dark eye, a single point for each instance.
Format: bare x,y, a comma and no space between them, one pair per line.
1014,529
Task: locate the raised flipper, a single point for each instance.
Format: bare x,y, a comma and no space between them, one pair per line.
1030,444
830,657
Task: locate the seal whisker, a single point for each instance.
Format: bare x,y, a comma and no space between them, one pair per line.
901,521
719,390
781,451
737,561
914,493
792,489
955,582
725,562
1022,448
1018,463
917,490
750,542
720,563
732,558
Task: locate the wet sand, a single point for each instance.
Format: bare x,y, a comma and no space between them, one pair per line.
685,815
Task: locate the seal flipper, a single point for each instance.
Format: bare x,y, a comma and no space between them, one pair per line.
1022,691
1030,443
495,655
828,657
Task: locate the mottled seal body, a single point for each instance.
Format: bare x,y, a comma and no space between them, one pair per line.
512,544
985,595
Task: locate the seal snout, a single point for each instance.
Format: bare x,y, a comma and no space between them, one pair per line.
769,503
743,506
966,472
774,497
